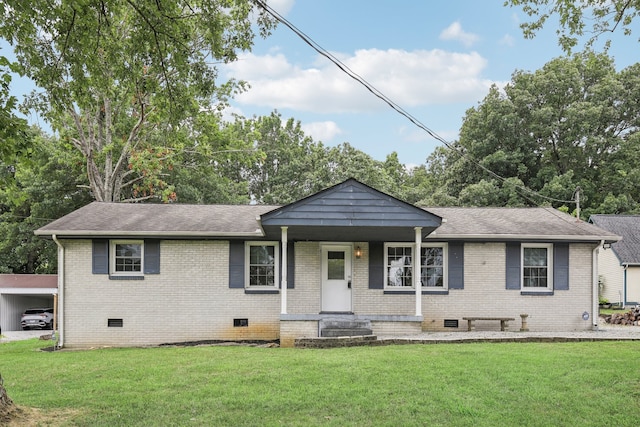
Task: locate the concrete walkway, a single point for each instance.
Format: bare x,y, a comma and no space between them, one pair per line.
604,333
9,336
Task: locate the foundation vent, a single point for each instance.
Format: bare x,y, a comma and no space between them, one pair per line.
114,323
240,323
450,323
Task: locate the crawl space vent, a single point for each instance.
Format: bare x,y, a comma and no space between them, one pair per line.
238,323
114,323
450,323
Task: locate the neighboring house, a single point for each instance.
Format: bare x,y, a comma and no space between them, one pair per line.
619,268
19,292
144,274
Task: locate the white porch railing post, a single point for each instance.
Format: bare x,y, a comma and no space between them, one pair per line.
283,260
417,271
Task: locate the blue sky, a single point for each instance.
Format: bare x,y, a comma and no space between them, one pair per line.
434,59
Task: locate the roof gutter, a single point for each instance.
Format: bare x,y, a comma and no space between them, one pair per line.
185,234
502,237
60,308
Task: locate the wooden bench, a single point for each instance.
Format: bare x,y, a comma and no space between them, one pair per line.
504,322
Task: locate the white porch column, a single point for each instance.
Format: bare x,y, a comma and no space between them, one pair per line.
283,261
417,271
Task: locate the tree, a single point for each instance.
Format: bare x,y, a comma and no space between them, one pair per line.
12,128
548,133
114,73
577,18
44,185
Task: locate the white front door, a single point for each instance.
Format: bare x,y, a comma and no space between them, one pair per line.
336,278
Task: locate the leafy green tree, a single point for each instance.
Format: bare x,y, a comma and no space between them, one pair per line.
579,18
548,133
13,129
116,73
208,166
44,185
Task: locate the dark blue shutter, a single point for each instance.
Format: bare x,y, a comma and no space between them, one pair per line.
291,265
100,256
513,265
236,264
456,265
152,256
561,266
376,265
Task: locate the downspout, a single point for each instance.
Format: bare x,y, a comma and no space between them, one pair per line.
623,303
60,309
596,289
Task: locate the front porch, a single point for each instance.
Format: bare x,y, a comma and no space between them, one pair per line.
300,326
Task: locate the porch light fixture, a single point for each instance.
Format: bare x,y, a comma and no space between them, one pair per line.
358,252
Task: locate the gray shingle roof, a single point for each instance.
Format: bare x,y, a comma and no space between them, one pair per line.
211,221
170,220
541,222
627,226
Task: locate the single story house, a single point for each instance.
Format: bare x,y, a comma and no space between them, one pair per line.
619,268
19,292
145,274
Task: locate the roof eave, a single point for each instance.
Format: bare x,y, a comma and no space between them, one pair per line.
502,237
115,233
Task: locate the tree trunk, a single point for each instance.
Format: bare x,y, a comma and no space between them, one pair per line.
6,404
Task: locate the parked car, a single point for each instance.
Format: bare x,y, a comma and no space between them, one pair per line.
37,318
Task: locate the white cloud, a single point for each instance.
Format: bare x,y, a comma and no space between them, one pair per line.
322,131
416,78
507,40
455,32
281,6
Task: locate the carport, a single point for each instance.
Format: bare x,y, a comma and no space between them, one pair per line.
19,292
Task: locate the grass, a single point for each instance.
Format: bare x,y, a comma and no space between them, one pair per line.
523,384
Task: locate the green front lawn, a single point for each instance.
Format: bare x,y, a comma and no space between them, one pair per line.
507,384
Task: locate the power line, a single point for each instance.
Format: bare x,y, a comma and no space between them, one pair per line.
308,40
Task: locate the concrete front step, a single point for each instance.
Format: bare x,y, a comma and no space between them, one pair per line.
345,332
345,327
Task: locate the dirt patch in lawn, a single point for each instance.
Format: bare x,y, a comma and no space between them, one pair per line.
19,416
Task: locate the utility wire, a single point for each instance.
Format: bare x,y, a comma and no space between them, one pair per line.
308,40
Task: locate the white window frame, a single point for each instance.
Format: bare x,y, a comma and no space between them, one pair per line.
445,266
276,264
112,257
549,248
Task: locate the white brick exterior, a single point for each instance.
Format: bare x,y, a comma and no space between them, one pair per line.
190,300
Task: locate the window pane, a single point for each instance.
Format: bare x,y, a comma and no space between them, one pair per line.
535,268
262,266
335,265
128,257
432,271
399,266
